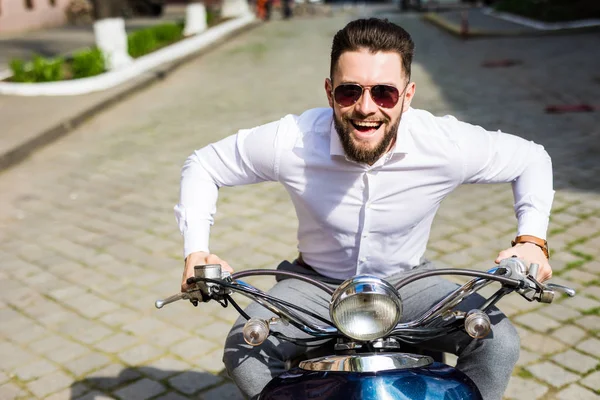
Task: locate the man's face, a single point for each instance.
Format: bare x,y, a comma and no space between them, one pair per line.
366,129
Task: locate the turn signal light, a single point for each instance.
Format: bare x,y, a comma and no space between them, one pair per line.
255,331
477,324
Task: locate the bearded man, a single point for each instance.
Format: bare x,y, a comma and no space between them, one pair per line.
366,177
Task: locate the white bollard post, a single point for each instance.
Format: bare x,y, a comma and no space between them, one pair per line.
195,19
235,8
111,39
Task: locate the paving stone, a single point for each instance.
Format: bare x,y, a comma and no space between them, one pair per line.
75,391
192,348
537,322
92,306
526,357
36,369
164,367
172,396
576,361
31,334
541,344
116,343
13,356
593,267
95,395
589,322
87,363
525,389
582,303
592,291
559,312
145,325
140,354
169,336
590,346
227,391
140,390
573,392
569,334
50,383
85,331
67,352
579,275
212,361
552,374
592,381
10,391
190,382
120,317
3,377
111,376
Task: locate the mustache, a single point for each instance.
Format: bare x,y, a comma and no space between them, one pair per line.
359,117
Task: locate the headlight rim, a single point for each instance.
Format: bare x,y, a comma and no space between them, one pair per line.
379,287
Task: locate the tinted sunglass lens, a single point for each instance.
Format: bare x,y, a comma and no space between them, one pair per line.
346,95
385,96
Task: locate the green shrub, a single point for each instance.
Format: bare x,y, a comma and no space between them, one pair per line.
38,70
87,63
149,39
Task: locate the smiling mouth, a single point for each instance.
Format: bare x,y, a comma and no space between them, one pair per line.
366,126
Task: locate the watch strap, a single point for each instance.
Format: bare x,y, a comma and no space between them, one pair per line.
541,243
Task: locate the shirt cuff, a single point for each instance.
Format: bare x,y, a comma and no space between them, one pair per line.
195,231
534,224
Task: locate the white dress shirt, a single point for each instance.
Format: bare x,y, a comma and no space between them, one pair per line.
355,218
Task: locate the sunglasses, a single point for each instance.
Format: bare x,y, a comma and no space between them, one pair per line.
384,96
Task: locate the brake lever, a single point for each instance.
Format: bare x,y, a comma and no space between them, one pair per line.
563,289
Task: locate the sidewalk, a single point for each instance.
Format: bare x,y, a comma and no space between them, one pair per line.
29,123
480,24
68,38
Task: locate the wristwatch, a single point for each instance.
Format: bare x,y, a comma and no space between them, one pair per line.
541,243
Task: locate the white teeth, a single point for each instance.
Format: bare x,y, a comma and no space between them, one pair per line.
367,124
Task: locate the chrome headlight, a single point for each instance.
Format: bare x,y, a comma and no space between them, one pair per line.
365,308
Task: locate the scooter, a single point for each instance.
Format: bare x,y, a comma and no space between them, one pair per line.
369,360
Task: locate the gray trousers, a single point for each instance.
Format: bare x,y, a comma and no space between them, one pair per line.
488,362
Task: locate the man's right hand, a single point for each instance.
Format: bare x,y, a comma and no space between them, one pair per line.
200,258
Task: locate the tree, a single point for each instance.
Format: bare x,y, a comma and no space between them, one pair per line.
109,29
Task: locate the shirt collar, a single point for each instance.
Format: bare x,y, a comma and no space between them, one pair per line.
401,146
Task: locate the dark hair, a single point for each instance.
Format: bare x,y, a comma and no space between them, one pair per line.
375,35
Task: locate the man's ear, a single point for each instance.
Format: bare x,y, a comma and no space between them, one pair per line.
409,93
328,91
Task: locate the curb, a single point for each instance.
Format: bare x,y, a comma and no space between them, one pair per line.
454,29
24,150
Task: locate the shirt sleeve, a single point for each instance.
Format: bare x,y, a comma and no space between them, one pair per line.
497,157
250,156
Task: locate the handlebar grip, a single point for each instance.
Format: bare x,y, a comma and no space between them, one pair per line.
168,300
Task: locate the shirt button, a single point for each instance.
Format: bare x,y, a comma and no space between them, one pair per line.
363,259
368,205
365,234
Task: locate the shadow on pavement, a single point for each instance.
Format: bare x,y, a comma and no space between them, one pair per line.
149,382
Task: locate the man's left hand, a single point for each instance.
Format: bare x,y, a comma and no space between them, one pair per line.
531,254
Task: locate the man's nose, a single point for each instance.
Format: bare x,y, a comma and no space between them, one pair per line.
365,105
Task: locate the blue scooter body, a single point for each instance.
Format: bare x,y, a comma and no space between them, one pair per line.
434,382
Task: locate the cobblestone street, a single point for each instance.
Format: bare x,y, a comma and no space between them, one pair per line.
88,239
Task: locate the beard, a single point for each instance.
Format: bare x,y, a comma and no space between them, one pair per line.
360,153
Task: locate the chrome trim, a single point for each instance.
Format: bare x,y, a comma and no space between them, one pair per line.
287,314
447,303
366,362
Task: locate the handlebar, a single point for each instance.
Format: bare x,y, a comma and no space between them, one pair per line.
210,283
